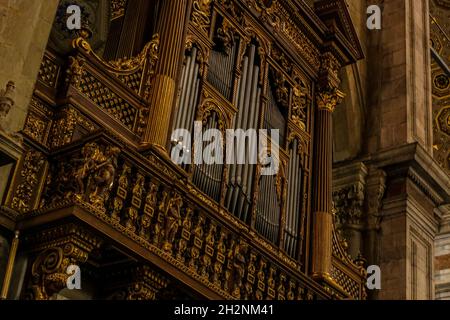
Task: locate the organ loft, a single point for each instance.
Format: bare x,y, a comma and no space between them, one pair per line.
87,180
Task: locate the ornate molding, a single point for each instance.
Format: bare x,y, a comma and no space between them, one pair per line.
25,192
201,15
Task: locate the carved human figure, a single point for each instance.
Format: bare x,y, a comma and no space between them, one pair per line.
220,258
158,225
149,209
104,176
198,241
291,292
90,153
261,275
6,100
206,259
185,235
121,193
132,213
239,267
173,221
281,91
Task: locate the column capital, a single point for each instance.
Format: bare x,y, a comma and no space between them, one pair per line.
328,95
328,100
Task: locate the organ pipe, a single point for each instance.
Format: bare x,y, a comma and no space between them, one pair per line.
220,73
238,196
293,210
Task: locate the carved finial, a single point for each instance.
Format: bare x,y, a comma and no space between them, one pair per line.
6,99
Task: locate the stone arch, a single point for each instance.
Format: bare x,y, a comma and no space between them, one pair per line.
348,118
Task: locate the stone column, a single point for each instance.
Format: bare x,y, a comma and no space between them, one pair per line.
327,98
171,27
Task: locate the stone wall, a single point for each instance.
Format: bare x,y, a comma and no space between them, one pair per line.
404,186
24,30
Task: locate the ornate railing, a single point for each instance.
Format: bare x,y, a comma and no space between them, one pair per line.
155,206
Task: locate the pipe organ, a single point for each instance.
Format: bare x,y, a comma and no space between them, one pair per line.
97,151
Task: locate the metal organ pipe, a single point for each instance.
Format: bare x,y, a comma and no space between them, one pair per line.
191,75
191,106
249,125
293,191
190,99
298,201
295,196
287,230
240,99
181,93
248,105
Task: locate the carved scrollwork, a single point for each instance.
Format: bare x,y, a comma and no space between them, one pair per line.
48,272
201,14
302,146
205,111
135,72
55,250
300,102
118,8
